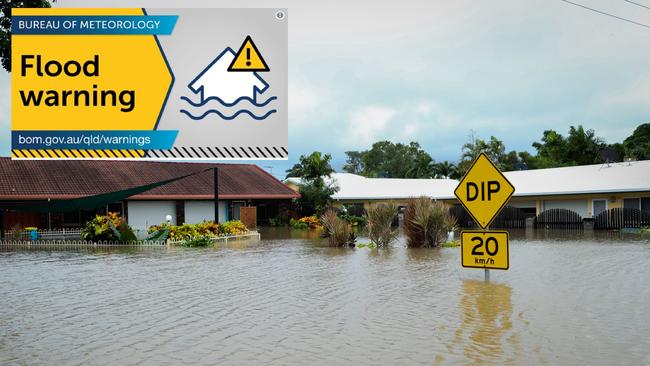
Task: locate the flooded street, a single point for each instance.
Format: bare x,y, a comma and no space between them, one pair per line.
567,300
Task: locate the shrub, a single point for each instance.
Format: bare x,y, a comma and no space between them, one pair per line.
380,220
109,227
277,222
205,229
307,222
234,227
338,231
202,241
17,232
358,221
298,225
312,222
426,223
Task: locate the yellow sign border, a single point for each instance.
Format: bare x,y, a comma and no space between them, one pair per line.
502,205
486,232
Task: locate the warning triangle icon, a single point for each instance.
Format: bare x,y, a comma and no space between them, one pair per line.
248,58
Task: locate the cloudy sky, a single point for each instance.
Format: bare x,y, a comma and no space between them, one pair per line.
431,71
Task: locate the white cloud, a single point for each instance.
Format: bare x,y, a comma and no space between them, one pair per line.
410,130
423,107
305,100
367,125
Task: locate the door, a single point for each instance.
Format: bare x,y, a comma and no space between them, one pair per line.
235,214
599,206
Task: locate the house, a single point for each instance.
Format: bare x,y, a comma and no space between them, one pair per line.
187,200
587,190
216,81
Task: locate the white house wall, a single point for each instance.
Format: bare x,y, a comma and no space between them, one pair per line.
143,214
579,206
197,211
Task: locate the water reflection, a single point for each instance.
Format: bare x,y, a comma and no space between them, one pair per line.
485,329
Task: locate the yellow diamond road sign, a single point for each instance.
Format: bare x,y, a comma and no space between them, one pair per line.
484,191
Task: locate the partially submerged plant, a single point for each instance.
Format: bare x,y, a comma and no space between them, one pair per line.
426,223
338,231
380,219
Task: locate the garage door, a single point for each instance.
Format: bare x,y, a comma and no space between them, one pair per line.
579,206
197,211
143,214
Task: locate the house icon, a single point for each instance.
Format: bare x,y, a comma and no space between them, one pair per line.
216,82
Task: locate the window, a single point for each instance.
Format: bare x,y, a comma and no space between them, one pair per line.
599,206
116,207
632,203
645,205
355,209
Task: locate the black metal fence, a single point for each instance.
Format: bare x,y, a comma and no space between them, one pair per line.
508,218
558,218
620,218
463,219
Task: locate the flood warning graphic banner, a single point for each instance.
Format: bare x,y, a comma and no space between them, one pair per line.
149,84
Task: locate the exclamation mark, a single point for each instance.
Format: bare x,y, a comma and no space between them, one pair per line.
248,56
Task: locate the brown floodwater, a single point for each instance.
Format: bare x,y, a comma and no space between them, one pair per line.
568,299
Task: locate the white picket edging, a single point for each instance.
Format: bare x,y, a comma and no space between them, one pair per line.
224,238
56,234
7,242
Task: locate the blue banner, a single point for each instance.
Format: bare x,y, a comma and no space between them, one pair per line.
94,140
93,24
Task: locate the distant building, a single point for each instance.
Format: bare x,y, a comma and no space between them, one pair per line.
587,190
188,200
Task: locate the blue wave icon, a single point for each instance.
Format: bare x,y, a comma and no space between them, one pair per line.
240,99
226,117
219,89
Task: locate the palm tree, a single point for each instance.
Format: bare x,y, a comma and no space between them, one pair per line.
423,167
446,169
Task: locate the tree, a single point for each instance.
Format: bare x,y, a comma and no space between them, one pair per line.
583,146
637,145
316,194
422,167
5,25
551,149
580,147
494,149
446,169
353,163
387,159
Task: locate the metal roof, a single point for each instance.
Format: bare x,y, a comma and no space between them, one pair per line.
586,179
60,179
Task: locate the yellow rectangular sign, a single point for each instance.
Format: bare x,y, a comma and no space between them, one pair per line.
485,249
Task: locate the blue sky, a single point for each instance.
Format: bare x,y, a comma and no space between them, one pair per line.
431,71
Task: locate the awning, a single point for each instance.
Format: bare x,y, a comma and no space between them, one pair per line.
89,202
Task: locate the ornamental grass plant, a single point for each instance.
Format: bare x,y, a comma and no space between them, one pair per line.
426,223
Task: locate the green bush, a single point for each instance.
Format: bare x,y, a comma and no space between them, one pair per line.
298,225
356,221
234,227
337,231
202,241
277,222
380,224
196,235
426,223
109,227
